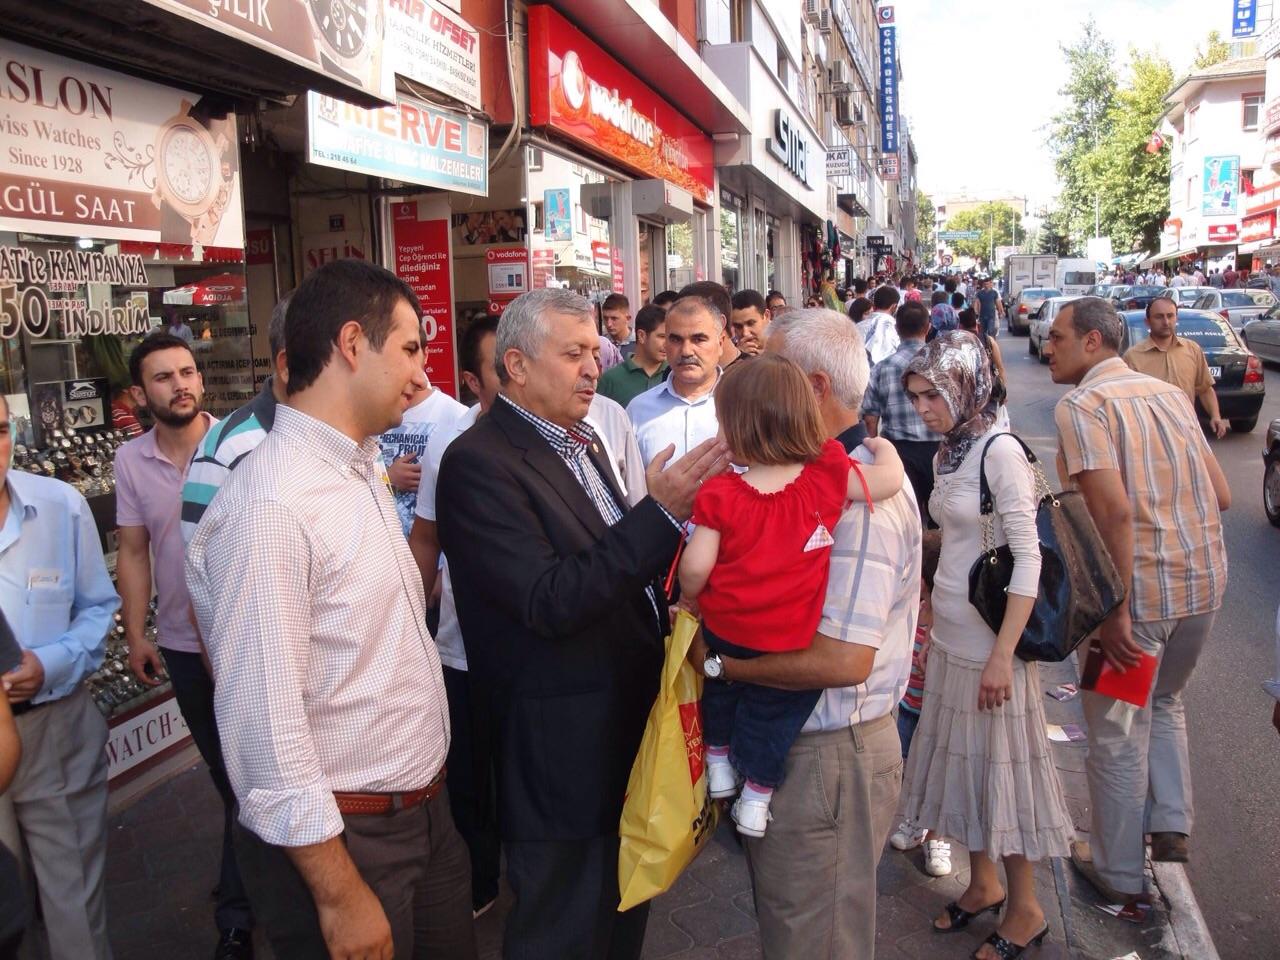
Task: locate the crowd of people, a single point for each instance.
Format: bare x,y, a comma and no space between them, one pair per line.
414,640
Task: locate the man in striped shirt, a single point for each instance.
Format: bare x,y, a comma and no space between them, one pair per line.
232,439
1132,445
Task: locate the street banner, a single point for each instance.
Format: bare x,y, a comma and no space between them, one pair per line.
1221,184
89,152
412,141
422,261
889,89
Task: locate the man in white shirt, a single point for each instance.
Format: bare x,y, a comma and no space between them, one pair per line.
813,874
879,329
404,446
681,411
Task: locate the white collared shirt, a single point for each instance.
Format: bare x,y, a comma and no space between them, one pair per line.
311,606
663,417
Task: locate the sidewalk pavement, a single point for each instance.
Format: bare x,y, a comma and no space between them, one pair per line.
163,856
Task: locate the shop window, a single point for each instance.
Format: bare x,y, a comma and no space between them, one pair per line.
739,15
1250,109
731,247
682,266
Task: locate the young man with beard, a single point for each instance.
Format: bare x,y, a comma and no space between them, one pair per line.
150,472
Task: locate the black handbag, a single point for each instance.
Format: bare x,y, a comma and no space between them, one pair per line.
1079,584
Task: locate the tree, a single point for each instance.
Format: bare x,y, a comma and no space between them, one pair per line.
1133,185
999,219
1216,50
925,215
1053,236
1082,125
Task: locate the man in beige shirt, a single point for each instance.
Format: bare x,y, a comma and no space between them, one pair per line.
1176,360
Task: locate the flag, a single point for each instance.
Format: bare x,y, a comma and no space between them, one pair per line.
1154,143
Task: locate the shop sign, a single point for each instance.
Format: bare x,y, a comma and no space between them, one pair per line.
411,141
601,257
431,45
40,287
1263,198
1260,227
619,275
259,247
508,269
1221,183
577,88
342,40
889,167
422,261
1222,232
544,268
91,152
889,89
142,736
839,161
1244,19
789,146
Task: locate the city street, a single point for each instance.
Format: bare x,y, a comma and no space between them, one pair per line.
1234,749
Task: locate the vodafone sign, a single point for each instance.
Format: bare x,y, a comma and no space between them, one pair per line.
577,88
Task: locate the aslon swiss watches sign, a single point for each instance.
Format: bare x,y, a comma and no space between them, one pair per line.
580,90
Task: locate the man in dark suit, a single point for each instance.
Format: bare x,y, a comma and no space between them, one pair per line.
559,595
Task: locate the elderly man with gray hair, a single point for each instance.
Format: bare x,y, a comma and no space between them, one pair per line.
558,586
814,870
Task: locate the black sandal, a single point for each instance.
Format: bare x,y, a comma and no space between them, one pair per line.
960,917
1007,949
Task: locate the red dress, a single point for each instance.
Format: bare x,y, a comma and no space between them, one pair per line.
770,578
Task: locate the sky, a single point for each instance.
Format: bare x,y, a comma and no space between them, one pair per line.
980,80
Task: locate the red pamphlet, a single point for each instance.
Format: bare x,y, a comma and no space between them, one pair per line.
1132,686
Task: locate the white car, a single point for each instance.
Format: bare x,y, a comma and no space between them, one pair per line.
1041,321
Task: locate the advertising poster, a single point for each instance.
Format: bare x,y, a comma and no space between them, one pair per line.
422,261
86,404
344,41
544,269
412,141
20,414
1221,179
557,224
482,227
88,151
434,46
508,269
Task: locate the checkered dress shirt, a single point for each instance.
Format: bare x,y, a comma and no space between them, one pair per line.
312,610
887,399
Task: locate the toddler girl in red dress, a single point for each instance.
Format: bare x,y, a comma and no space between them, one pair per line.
757,565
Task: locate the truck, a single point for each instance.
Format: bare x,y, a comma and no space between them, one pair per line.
1028,270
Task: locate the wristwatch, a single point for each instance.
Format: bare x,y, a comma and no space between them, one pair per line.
192,176
344,29
713,666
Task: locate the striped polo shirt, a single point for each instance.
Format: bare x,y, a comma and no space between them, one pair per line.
1119,419
227,443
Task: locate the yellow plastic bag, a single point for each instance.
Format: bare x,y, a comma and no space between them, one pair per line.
667,816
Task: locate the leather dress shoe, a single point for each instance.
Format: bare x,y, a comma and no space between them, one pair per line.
1169,847
234,944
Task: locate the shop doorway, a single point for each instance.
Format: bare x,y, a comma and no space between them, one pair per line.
653,260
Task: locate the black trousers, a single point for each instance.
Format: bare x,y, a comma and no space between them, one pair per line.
413,860
193,688
470,791
567,902
917,462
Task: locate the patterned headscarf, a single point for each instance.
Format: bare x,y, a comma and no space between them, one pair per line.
958,367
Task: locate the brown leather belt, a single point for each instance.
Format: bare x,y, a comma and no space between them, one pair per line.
375,804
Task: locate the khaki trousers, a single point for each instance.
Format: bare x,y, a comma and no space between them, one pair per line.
54,819
1140,780
814,870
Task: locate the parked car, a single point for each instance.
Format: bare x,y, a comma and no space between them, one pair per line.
1041,321
1238,307
1262,336
1237,373
1025,304
1185,296
1099,290
1271,474
1126,297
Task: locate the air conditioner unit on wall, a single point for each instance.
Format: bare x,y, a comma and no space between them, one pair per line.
824,21
840,77
812,10
844,111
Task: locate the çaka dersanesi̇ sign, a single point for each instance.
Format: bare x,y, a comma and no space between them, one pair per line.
577,88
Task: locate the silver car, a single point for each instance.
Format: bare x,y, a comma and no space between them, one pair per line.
1041,321
1237,307
1186,296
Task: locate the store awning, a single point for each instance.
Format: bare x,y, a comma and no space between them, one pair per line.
1173,255
209,292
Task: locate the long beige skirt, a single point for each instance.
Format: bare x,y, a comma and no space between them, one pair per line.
985,779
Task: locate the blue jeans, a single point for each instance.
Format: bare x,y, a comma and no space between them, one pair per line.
907,720
758,724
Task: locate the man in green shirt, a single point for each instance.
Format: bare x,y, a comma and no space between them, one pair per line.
645,367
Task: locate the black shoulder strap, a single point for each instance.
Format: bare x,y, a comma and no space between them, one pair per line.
985,504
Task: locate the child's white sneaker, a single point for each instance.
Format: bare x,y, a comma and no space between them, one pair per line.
751,816
907,837
722,780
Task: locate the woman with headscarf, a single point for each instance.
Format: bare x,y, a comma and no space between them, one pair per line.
979,769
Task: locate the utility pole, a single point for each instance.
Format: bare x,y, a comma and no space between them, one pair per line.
991,229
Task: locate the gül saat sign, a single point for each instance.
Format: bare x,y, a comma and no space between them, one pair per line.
578,89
